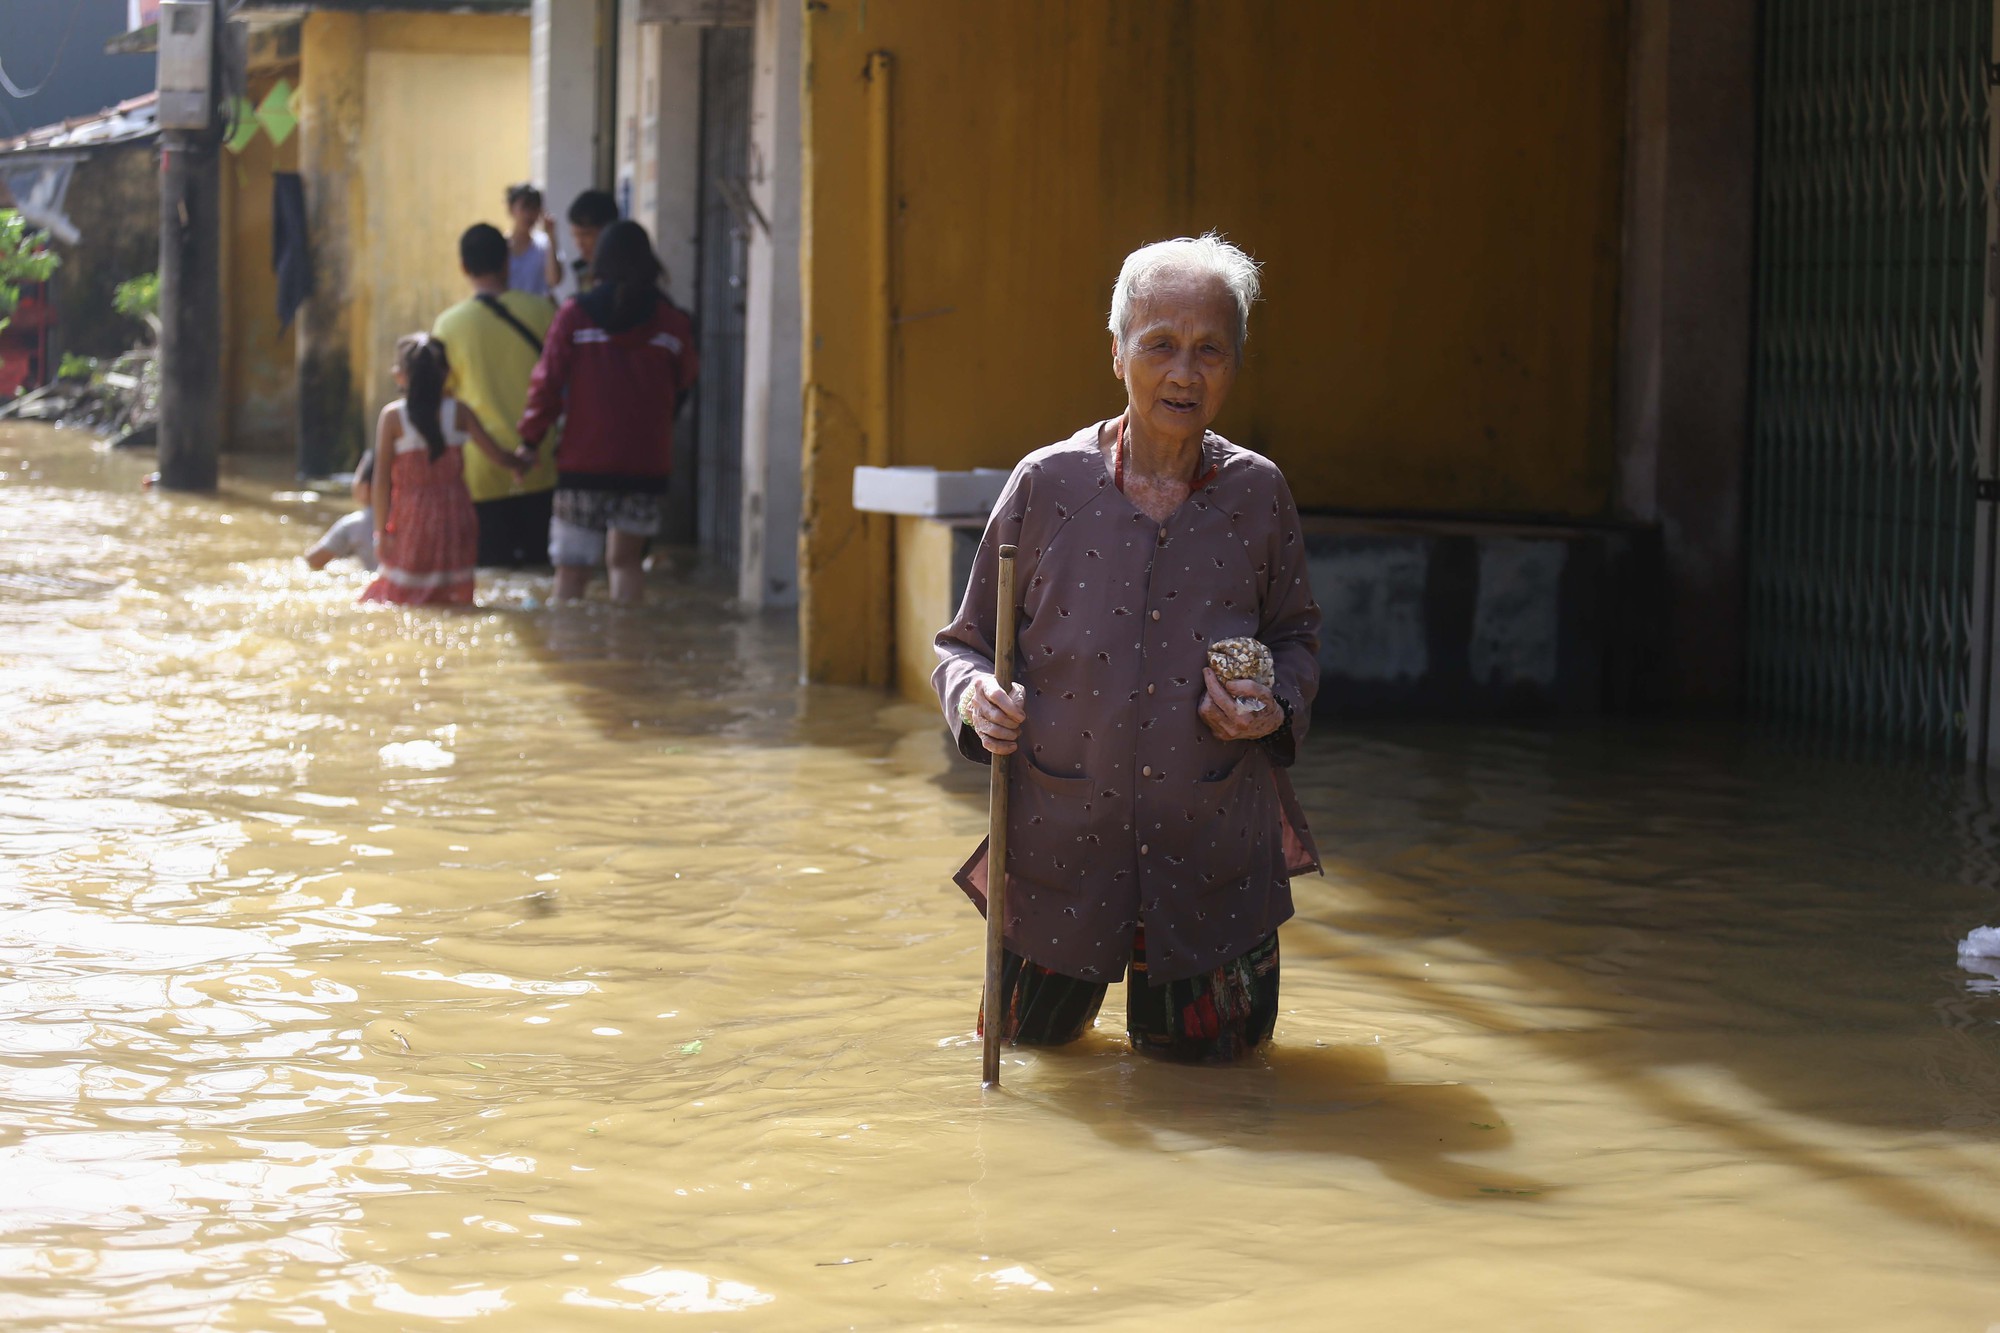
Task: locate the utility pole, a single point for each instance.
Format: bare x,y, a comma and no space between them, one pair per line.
190,245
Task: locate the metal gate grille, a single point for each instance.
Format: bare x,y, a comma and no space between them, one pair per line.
1871,227
724,261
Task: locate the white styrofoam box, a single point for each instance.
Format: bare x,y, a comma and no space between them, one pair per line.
927,492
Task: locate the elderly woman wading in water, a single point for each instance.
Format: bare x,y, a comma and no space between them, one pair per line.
1150,822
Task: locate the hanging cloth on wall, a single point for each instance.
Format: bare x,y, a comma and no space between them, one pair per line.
38,191
291,258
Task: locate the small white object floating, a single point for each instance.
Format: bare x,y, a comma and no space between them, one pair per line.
1983,942
415,754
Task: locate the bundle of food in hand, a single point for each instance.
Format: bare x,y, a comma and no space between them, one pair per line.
1242,659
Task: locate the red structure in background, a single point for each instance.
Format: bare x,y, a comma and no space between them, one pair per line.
24,343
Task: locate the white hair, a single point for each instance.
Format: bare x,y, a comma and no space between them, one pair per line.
1207,253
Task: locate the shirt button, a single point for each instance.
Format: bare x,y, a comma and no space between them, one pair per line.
1149,689
1143,849
1146,772
1156,615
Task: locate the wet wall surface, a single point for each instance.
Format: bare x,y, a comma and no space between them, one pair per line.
536,969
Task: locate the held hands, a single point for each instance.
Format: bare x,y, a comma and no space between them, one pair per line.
1233,711
994,714
521,462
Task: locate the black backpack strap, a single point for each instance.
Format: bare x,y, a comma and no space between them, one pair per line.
499,307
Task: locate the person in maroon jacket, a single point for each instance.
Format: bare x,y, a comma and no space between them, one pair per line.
617,363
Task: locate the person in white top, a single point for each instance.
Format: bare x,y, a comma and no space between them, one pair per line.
533,266
354,533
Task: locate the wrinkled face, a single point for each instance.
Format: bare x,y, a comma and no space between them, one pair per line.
586,240
525,214
1178,357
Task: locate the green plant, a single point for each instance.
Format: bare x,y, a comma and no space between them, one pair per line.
76,367
24,257
138,297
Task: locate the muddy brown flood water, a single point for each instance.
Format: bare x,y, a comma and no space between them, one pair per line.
527,969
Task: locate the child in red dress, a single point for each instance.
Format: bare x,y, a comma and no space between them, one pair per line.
426,532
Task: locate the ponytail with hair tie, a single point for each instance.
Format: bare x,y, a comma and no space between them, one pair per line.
425,368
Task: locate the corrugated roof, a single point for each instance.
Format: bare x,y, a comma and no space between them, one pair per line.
145,40
388,6
128,122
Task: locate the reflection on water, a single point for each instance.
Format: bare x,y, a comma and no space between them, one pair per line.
554,969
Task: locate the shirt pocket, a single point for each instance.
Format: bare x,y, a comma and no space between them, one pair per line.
1051,825
1229,823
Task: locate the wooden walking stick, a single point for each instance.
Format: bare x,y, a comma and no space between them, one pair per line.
996,838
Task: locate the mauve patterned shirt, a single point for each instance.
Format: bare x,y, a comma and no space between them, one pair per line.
1123,807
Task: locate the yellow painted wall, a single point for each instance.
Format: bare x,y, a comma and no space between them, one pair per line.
925,600
333,55
412,126
444,132
1433,184
260,380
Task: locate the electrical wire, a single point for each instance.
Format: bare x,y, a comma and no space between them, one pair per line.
55,64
